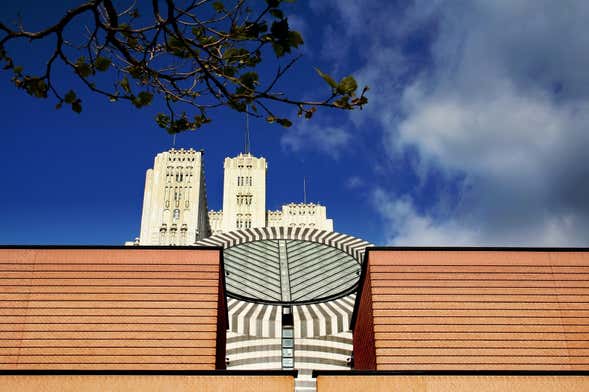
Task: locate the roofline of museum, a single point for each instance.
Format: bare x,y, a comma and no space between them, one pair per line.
134,247
478,248
368,248
450,373
442,249
76,372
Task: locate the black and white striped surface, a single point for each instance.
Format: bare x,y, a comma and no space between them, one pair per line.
310,320
322,273
322,336
289,265
351,245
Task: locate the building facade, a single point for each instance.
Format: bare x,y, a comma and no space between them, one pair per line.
290,297
187,318
174,201
244,201
305,215
244,193
291,277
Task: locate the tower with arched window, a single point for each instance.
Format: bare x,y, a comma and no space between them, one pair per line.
174,202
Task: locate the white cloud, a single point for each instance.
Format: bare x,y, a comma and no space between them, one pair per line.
405,226
502,103
310,136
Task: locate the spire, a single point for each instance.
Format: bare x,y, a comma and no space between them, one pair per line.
247,133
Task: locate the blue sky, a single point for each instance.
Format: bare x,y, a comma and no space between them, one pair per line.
476,132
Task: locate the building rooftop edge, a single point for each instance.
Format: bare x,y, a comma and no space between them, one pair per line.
457,372
140,247
369,249
220,372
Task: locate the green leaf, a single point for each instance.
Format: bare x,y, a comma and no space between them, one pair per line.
254,59
70,97
253,30
142,99
182,124
199,120
218,6
309,112
279,29
295,38
360,101
198,31
124,83
347,85
82,68
248,82
283,39
229,71
136,71
343,102
77,106
42,88
278,49
102,63
33,85
239,105
178,48
235,54
285,122
327,78
162,120
249,79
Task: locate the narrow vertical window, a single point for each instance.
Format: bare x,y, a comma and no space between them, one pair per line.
287,338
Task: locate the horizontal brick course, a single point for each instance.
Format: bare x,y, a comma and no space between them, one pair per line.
475,310
118,309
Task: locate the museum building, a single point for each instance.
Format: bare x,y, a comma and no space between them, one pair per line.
250,299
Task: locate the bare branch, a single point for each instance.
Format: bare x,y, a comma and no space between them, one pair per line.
197,56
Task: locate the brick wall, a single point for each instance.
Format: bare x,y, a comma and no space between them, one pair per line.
103,308
448,309
363,329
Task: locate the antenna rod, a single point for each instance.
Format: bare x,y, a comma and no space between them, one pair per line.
305,190
247,132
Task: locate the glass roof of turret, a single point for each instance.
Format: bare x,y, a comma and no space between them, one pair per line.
289,271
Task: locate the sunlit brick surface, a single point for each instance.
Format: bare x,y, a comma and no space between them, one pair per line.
120,309
472,309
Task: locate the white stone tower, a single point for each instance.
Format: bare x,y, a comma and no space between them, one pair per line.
244,193
174,202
